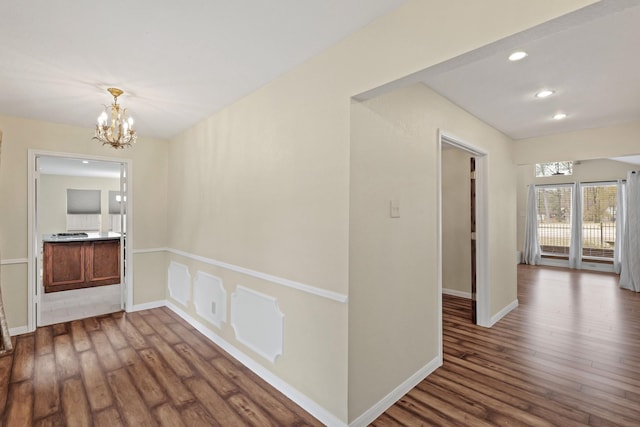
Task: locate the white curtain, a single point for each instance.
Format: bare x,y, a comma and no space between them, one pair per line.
621,211
531,252
575,249
630,271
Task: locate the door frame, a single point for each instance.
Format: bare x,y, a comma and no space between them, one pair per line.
483,291
32,247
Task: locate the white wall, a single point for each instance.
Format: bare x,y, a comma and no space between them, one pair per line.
53,199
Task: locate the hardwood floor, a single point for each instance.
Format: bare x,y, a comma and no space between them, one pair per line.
569,355
137,369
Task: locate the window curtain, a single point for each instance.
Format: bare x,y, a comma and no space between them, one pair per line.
83,210
621,211
630,263
83,202
575,249
531,250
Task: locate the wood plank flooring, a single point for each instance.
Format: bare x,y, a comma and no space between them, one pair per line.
569,355
149,368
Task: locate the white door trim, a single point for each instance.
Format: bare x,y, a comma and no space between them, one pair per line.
32,237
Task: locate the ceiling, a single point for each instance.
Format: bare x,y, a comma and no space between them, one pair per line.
178,62
58,61
589,58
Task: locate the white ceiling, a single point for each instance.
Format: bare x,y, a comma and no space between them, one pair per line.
178,62
590,58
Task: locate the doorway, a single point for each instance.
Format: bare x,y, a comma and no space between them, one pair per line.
79,222
463,225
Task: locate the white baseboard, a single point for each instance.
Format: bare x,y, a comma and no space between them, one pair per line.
456,293
503,312
19,330
379,408
149,305
303,401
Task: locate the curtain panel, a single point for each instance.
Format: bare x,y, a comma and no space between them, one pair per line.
575,248
630,260
531,252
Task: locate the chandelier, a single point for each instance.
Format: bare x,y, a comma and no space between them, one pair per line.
119,132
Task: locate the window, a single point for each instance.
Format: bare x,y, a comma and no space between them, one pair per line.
597,222
598,219
554,169
554,218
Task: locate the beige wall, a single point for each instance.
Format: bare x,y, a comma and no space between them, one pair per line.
600,143
149,179
149,277
456,220
264,184
53,199
394,261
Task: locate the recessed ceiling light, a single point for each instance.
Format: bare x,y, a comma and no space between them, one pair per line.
517,56
544,93
85,162
559,116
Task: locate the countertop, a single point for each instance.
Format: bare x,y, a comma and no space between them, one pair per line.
61,237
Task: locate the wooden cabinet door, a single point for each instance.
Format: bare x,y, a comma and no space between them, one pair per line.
76,265
104,262
64,266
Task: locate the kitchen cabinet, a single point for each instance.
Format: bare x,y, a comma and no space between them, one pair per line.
83,263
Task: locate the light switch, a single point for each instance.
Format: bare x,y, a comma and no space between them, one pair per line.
394,208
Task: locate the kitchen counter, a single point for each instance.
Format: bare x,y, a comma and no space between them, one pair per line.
79,237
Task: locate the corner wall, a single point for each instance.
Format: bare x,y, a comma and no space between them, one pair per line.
394,300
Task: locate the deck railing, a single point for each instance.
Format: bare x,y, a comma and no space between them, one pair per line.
597,238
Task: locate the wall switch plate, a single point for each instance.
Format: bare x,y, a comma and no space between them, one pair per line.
394,208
